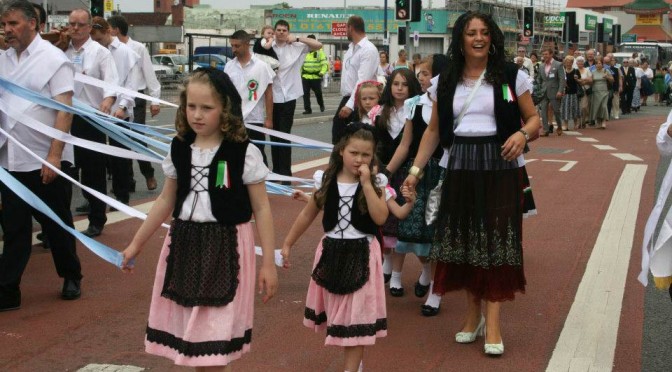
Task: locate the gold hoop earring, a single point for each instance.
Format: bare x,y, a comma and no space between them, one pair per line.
493,51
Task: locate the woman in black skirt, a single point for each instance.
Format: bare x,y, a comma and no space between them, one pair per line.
478,240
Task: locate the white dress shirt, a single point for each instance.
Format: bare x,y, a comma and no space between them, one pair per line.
145,77
287,85
45,69
94,60
360,63
254,110
126,60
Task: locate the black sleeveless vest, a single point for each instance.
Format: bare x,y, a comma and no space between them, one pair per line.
359,220
230,206
419,127
507,114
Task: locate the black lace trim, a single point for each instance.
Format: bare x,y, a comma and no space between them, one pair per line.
203,264
343,267
196,349
357,330
317,319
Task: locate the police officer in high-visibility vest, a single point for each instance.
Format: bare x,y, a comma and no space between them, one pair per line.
314,68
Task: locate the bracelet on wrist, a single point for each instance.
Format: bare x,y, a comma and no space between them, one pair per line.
415,172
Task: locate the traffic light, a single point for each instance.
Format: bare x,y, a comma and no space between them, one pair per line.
97,8
616,34
402,10
401,35
528,21
416,10
571,27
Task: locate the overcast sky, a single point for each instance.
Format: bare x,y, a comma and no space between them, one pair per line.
146,5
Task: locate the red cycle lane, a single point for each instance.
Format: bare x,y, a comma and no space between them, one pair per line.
107,324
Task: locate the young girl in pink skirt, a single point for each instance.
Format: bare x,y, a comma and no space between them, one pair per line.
346,294
202,302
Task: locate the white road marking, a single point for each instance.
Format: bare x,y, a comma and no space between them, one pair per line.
588,338
571,133
604,147
627,157
587,139
109,368
569,164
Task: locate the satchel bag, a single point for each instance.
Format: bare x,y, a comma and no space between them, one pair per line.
434,197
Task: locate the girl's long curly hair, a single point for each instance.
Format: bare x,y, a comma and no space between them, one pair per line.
231,122
497,56
359,131
387,100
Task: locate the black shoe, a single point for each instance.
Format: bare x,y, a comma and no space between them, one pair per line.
421,290
396,292
307,112
83,209
387,278
71,289
93,231
321,108
427,310
10,301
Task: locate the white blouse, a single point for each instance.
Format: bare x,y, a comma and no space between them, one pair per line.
254,171
349,189
479,119
397,121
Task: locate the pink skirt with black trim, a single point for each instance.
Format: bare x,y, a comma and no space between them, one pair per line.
202,336
353,319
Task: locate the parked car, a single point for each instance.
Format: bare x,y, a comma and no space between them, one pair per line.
221,50
164,74
211,60
177,62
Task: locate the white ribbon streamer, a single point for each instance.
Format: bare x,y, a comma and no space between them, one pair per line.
101,84
68,138
110,201
290,137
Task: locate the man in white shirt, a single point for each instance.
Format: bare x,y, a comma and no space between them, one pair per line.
527,63
146,83
39,66
360,63
253,79
126,60
91,59
287,87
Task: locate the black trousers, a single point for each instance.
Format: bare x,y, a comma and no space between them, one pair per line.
140,115
316,86
121,178
17,216
283,119
626,99
338,126
258,136
92,168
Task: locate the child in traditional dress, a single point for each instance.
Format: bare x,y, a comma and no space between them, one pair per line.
263,47
367,98
202,302
390,123
346,293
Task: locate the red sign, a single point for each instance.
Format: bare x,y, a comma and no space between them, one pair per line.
339,29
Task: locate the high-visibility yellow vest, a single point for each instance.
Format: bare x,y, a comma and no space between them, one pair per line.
315,65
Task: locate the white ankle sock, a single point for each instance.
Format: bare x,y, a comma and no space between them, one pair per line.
426,276
361,366
433,299
395,282
387,263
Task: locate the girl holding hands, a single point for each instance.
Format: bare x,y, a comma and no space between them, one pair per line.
202,303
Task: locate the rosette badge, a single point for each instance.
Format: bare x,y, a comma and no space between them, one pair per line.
252,87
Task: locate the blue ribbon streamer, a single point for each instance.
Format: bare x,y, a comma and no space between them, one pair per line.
101,250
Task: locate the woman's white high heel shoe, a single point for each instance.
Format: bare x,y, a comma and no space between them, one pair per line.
468,337
493,349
